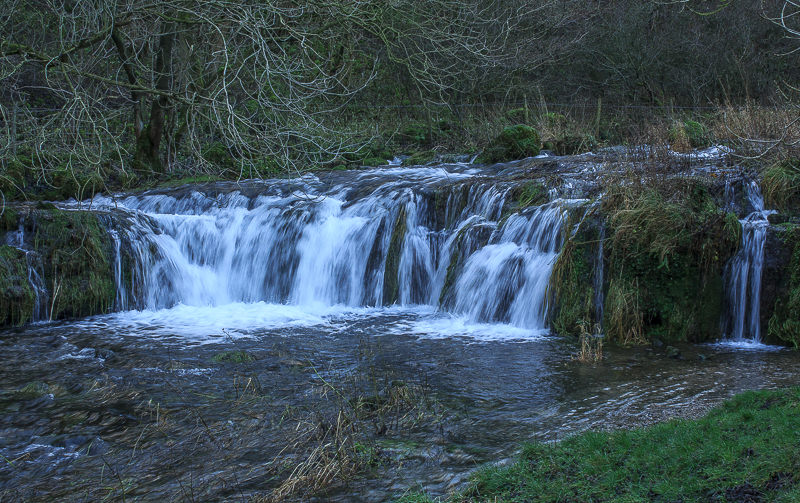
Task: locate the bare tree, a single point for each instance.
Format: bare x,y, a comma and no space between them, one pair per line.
251,79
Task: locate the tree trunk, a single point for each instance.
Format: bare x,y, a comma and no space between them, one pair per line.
163,73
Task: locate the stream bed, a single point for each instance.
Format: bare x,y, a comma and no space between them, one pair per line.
223,403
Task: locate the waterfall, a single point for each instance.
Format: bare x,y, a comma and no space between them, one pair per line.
424,236
35,276
599,270
744,272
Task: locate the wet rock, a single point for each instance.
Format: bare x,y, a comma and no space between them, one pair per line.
673,352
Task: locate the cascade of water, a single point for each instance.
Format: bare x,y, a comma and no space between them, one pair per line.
599,270
744,272
507,279
416,234
121,300
35,278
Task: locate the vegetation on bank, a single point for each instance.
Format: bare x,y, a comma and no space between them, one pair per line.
98,98
665,246
71,256
784,324
742,451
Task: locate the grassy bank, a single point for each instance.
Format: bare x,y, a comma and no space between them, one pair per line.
745,450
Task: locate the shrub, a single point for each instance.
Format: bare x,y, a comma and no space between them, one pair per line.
514,142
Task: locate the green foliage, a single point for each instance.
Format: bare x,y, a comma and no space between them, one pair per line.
668,245
784,324
16,294
77,256
218,154
697,134
414,134
514,142
571,282
781,183
414,497
747,444
518,115
689,134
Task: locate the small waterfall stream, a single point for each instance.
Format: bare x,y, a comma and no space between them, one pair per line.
35,275
447,240
744,272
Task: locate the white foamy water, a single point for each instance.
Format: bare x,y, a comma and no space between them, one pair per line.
744,274
297,253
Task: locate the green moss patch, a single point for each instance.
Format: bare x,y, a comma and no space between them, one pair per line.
16,295
666,252
514,142
391,292
784,324
77,255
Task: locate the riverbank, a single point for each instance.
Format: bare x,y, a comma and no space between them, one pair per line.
745,450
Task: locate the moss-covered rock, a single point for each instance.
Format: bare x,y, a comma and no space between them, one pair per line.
667,251
419,158
16,295
78,259
572,282
391,292
784,324
514,142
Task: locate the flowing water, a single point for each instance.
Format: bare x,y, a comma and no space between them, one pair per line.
745,271
337,288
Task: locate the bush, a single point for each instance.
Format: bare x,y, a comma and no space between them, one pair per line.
514,142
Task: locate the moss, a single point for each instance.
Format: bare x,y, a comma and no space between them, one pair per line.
374,161
236,356
77,254
784,324
529,194
391,293
419,158
16,295
572,282
667,250
514,142
9,219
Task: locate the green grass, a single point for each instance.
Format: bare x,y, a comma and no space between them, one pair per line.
750,445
